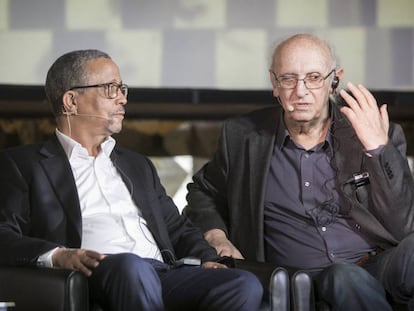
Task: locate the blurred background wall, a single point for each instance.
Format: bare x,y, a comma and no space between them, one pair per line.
193,44
220,44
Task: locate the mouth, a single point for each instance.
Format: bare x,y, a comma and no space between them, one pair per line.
120,114
301,106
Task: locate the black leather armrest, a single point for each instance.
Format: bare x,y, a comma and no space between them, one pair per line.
275,282
44,289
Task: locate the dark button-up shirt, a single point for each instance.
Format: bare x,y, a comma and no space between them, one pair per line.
303,224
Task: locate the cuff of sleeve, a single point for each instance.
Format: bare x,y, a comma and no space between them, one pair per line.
374,152
45,260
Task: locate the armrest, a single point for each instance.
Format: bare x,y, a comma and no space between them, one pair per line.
302,292
34,288
275,281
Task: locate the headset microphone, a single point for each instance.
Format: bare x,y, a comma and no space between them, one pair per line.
335,82
75,113
92,115
289,108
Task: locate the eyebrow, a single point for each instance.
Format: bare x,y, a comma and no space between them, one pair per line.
296,74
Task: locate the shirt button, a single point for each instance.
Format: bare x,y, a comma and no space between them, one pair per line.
332,255
323,229
357,226
307,183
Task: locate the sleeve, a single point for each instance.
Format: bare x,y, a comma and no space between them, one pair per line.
392,187
17,247
207,204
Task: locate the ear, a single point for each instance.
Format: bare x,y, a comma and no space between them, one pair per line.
340,73
336,79
274,83
69,106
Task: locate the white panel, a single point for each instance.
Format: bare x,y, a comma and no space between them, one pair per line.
4,17
302,13
139,56
23,53
93,14
395,13
241,60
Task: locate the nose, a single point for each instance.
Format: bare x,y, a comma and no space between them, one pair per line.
122,99
301,89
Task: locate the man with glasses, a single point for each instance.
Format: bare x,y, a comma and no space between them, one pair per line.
318,183
79,201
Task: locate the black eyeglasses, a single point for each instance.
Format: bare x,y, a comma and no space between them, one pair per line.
111,89
313,80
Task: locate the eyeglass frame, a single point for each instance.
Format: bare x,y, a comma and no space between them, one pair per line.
120,87
304,81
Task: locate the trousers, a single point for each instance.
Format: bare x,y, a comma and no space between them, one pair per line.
389,274
126,281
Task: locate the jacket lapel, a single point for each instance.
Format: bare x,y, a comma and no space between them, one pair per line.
56,166
261,144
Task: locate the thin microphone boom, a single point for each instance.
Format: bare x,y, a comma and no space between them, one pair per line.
92,115
289,108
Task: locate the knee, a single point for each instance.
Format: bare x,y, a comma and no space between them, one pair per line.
406,246
127,265
249,285
345,276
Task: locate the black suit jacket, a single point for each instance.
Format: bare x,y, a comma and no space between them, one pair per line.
228,192
39,205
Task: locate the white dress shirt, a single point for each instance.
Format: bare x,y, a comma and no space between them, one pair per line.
111,222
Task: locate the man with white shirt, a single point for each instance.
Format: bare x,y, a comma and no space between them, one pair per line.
80,202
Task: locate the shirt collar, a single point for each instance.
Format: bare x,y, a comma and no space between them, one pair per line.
74,149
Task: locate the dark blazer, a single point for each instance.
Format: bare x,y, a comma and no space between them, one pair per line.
39,205
228,192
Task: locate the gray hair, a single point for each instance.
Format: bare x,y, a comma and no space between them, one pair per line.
67,71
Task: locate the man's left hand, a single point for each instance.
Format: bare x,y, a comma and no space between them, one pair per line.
213,265
370,123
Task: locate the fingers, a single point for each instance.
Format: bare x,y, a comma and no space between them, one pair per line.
384,115
230,251
213,265
360,97
218,239
227,249
370,123
77,259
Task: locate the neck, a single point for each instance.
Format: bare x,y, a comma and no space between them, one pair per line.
309,134
92,143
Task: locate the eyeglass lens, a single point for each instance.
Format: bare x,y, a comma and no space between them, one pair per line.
311,80
113,89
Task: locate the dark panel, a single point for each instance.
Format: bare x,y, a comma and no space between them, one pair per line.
247,13
402,56
193,52
352,13
37,14
150,13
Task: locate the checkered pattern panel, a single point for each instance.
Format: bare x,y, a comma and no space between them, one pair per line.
206,43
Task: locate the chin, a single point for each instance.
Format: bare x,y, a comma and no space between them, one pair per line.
115,130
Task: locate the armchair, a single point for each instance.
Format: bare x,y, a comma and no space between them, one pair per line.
33,288
50,289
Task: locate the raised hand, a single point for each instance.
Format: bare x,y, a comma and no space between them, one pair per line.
370,123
